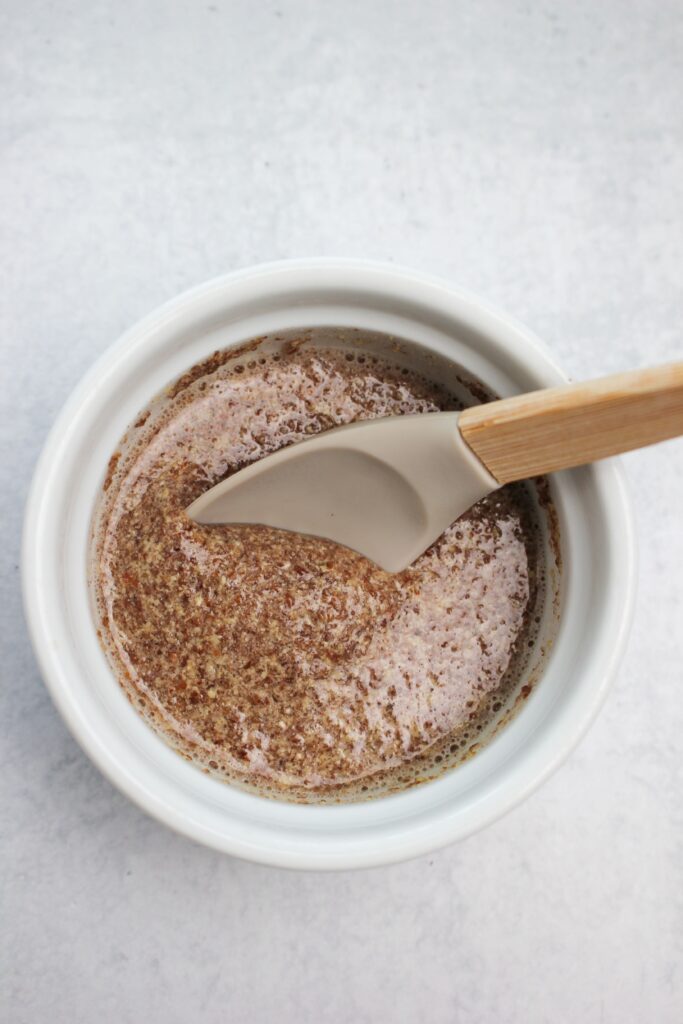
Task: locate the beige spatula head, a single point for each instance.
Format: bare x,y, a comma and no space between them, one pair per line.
388,488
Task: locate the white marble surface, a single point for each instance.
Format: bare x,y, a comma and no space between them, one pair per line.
531,152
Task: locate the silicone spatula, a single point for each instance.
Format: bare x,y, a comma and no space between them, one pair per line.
389,487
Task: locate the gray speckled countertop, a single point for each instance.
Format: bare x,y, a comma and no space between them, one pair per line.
530,152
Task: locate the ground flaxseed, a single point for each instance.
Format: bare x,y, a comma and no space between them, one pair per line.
287,662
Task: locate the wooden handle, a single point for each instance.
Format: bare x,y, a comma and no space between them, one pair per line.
543,431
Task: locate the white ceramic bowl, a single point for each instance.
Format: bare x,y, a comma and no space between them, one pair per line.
597,547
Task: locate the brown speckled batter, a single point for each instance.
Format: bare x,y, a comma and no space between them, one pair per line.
287,662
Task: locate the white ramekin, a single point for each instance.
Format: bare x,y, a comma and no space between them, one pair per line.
597,547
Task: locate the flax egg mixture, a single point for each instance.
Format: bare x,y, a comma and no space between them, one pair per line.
286,663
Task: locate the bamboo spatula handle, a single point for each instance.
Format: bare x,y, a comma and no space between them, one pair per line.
557,428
